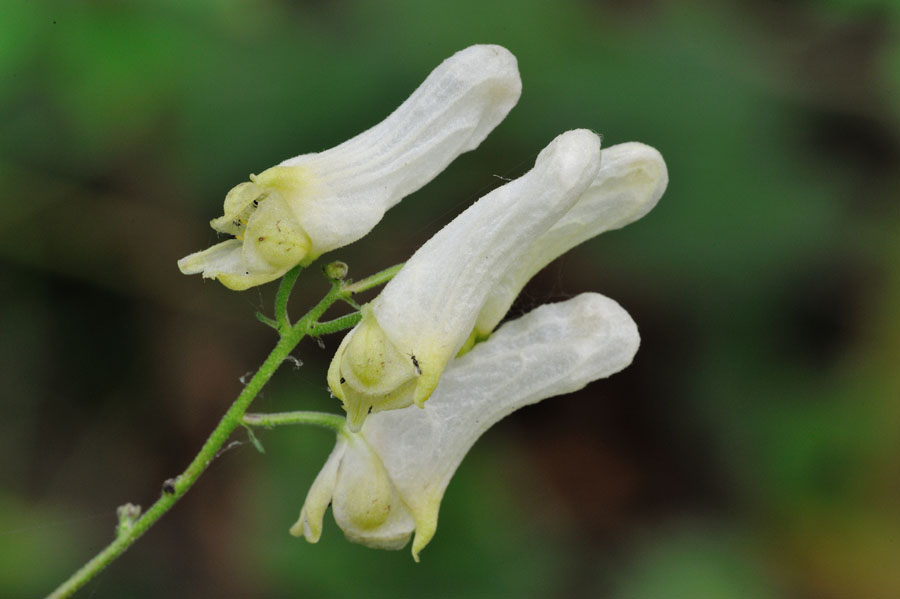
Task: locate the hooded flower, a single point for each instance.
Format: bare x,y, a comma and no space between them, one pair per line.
421,319
386,482
308,205
631,180
460,284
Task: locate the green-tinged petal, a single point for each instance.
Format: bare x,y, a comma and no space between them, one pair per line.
274,235
366,505
227,262
372,376
309,525
239,204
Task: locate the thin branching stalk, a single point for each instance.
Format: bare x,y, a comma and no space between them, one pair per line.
281,297
131,525
330,421
338,324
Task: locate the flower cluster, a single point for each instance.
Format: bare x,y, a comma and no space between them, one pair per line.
428,340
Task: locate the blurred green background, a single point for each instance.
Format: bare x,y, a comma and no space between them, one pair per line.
752,449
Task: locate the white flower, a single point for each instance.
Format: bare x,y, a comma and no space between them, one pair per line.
292,213
386,482
459,285
422,317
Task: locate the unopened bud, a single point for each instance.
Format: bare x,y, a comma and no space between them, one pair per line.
336,271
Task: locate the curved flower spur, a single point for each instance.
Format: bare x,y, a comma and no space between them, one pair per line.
292,213
631,180
458,286
387,481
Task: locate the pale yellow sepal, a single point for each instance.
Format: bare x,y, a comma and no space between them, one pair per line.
372,375
224,261
268,238
364,500
309,525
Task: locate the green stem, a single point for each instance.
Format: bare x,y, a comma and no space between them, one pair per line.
181,484
330,421
334,326
281,297
266,320
379,278
175,488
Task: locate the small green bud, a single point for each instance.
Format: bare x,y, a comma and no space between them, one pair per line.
127,514
336,271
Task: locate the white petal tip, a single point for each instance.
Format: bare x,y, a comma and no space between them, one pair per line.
573,156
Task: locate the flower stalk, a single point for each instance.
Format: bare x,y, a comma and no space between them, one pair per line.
175,488
321,419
